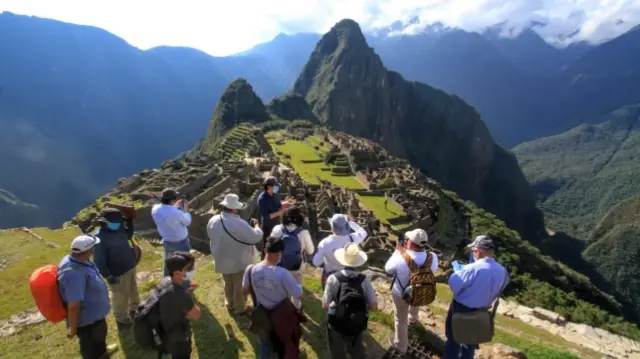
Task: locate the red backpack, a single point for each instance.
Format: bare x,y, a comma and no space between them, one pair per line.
44,289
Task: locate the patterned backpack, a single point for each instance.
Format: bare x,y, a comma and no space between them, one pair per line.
421,290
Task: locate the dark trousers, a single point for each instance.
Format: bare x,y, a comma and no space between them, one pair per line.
180,350
266,232
339,345
93,340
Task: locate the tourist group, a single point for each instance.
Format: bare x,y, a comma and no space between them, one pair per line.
75,289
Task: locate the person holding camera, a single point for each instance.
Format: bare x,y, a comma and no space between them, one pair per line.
172,218
233,243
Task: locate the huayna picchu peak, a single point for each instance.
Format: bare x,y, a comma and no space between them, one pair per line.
349,89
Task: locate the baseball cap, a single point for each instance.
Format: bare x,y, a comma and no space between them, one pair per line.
418,236
482,242
271,181
340,224
83,243
110,215
169,194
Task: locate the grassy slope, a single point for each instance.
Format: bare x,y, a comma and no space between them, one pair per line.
298,151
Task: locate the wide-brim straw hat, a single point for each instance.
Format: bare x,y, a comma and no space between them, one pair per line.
351,256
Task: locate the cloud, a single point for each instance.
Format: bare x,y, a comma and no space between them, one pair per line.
221,28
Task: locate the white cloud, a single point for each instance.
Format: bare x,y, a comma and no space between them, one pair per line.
221,28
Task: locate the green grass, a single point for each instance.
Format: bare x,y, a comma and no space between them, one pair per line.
23,253
88,213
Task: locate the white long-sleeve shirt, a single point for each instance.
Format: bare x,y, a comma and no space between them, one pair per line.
306,243
327,246
172,223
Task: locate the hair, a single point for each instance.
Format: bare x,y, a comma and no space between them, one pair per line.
175,263
166,201
273,245
266,186
293,215
189,257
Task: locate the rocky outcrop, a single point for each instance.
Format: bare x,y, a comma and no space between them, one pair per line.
238,104
290,107
350,90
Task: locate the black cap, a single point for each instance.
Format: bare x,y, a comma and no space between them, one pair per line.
169,194
110,215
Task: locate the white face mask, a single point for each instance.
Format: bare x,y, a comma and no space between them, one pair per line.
190,275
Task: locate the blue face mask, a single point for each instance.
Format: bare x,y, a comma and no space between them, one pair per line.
113,226
276,189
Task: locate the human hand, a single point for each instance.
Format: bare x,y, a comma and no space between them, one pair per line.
399,245
254,222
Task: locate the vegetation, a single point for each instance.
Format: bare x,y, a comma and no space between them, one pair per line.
280,124
88,214
232,145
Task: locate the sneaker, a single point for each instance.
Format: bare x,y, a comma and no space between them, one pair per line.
112,349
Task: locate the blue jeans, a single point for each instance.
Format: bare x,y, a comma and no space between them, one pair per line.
453,350
265,350
170,247
270,348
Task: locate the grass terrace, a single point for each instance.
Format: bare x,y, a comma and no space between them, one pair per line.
306,161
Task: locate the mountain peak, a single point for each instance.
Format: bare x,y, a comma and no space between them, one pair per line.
238,104
346,32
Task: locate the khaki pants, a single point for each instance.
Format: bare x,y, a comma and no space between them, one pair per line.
298,277
233,298
125,296
403,315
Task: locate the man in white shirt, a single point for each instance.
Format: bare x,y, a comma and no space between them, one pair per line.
172,218
233,243
414,245
341,227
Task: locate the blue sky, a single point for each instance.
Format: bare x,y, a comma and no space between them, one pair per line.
225,27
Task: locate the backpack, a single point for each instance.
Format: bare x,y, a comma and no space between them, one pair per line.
147,329
45,291
292,255
350,315
421,290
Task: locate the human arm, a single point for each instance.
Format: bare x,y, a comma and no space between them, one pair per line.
246,233
360,233
129,228
458,281
265,208
307,242
246,283
392,263
330,291
73,284
291,285
189,306
370,294
100,260
434,262
318,258
183,217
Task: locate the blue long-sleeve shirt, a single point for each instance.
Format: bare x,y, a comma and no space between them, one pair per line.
479,283
268,204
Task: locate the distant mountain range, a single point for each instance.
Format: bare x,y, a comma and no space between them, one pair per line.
79,107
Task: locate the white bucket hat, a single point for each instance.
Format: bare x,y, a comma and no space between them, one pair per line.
232,201
351,255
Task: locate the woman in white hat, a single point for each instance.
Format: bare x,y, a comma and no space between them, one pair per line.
344,332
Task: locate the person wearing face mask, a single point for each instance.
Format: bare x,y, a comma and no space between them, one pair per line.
271,209
475,287
116,259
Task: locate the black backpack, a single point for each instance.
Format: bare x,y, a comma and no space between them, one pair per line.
351,314
147,329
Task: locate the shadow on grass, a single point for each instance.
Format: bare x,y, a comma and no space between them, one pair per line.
213,340
128,346
315,329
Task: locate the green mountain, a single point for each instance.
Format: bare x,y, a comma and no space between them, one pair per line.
580,174
349,89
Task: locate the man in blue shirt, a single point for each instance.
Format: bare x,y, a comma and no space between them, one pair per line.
271,209
476,286
86,297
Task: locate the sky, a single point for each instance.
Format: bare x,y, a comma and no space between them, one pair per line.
226,27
